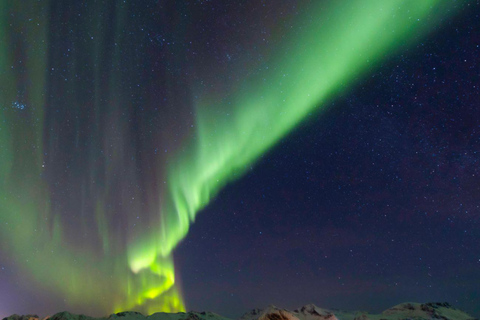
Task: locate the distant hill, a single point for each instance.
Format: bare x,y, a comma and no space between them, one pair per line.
404,311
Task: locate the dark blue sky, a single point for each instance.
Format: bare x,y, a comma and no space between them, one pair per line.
372,203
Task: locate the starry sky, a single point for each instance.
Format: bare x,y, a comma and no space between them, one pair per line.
218,155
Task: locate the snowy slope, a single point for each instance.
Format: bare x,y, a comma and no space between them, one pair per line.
404,311
417,311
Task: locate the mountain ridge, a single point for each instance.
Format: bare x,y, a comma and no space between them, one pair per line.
403,311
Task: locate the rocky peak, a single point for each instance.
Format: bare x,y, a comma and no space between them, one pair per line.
312,312
22,317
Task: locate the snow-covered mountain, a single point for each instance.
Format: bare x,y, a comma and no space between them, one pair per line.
404,311
417,311
127,315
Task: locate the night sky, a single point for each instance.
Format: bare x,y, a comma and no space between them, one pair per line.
226,155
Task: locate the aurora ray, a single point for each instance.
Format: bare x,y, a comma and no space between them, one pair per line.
339,44
333,44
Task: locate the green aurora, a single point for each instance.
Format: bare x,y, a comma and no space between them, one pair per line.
332,45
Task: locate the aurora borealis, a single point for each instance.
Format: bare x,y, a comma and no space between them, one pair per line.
122,120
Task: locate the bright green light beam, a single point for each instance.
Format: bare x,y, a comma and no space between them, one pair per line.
38,240
333,48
